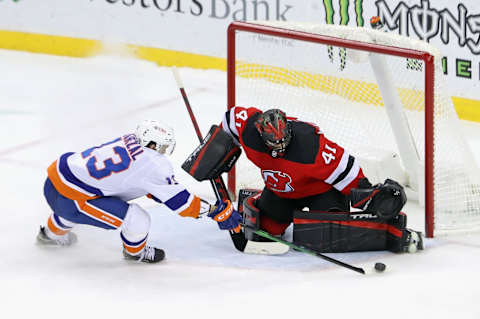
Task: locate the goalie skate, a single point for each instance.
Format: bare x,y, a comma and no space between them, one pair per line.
148,255
413,241
66,240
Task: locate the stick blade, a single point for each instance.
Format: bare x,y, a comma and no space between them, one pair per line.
265,248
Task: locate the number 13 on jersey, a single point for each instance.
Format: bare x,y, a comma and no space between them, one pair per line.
116,163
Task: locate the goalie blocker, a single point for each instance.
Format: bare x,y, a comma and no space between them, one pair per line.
215,155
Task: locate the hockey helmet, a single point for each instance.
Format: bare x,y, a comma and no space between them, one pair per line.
275,130
159,133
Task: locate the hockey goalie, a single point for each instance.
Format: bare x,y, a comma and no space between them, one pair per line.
310,181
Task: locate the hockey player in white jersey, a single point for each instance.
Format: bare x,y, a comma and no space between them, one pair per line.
93,187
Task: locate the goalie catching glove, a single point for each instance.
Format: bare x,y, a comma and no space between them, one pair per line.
226,216
384,200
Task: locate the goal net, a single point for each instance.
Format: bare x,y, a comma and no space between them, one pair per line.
379,95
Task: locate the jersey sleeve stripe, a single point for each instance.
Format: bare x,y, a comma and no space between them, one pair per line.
178,200
340,168
233,126
350,163
228,124
352,174
226,119
185,204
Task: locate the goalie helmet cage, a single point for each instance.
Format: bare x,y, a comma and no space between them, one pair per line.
379,95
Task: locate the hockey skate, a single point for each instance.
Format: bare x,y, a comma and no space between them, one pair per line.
148,255
413,241
66,240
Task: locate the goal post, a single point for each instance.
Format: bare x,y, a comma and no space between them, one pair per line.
379,95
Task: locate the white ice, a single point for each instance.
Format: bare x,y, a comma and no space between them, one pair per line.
50,105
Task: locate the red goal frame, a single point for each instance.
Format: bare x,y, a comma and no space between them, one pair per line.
428,59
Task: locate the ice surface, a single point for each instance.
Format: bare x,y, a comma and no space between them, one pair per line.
50,105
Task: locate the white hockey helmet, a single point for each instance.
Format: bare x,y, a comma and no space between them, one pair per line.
158,133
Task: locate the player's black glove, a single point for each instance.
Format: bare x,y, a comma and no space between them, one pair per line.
384,200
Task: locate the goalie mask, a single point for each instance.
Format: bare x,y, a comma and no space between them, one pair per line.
161,134
275,131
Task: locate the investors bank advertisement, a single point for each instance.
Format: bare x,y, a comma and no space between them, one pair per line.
199,26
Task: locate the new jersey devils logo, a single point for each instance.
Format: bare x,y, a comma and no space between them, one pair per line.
277,181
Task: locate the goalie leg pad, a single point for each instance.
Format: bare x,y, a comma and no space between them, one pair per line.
243,194
215,155
255,219
345,232
250,213
251,218
400,240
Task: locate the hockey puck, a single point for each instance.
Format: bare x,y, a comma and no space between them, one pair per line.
380,267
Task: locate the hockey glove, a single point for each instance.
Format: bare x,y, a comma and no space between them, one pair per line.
226,216
384,200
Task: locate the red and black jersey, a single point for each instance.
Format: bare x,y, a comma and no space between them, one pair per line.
311,165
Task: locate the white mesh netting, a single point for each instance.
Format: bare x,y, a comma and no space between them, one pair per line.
336,88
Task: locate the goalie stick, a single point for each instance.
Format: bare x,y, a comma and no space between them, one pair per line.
221,193
310,251
278,246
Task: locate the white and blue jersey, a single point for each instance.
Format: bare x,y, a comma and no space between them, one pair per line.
123,169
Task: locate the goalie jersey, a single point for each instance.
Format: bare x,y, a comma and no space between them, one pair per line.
312,164
124,169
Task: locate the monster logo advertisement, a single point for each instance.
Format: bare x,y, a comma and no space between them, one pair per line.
452,26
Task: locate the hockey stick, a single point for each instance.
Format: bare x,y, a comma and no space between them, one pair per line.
310,251
239,240
221,193
218,185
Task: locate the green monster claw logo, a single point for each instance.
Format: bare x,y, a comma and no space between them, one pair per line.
344,19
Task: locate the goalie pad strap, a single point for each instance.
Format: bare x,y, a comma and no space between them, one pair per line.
215,155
